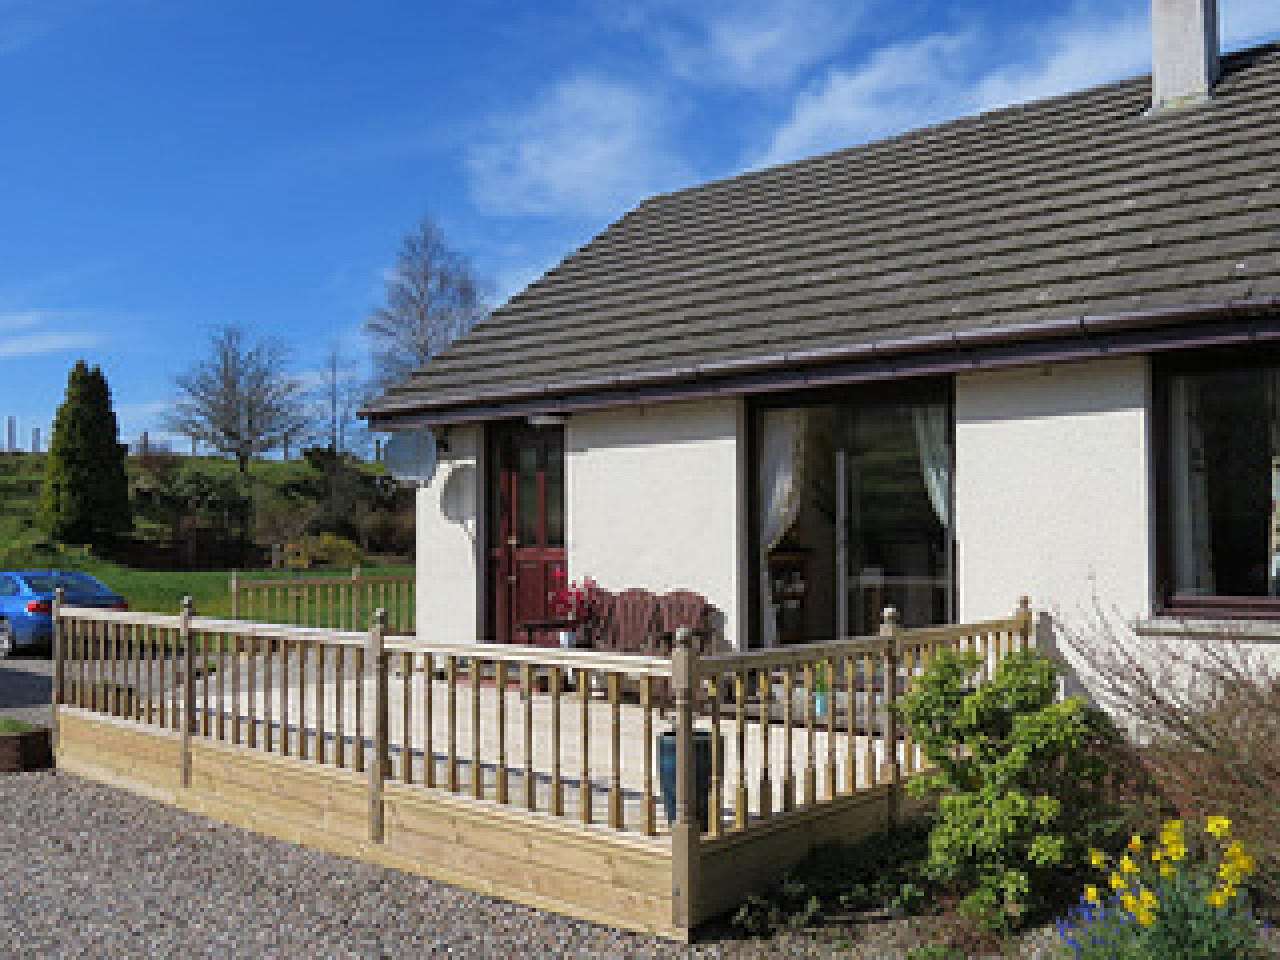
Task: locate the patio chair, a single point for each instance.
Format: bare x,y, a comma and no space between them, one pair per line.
684,608
635,615
604,629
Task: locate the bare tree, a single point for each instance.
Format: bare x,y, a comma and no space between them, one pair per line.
241,399
338,397
433,296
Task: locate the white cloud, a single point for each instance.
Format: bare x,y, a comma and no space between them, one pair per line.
37,344
908,85
588,146
1245,22
746,43
898,88
21,319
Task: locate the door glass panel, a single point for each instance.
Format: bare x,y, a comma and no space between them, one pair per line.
527,495
899,493
555,490
853,515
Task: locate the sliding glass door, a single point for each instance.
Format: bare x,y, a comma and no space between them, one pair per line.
854,499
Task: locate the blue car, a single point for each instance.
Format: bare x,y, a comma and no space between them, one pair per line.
26,605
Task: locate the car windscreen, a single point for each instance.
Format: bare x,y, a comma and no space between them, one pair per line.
80,583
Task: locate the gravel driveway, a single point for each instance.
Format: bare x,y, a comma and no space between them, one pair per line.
92,871
26,688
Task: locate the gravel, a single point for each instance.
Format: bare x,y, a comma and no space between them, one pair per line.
26,688
93,871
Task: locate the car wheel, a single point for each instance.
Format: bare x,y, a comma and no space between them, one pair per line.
6,638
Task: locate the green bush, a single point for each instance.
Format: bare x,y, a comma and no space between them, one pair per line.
880,870
328,550
85,497
1019,776
13,725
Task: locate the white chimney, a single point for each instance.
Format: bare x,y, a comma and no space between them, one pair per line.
1184,34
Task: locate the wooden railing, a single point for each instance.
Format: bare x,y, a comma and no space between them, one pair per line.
528,727
804,743
335,602
831,728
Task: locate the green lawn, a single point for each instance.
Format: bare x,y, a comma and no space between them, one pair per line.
161,591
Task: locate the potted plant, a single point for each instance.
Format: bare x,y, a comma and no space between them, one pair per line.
821,692
572,603
23,746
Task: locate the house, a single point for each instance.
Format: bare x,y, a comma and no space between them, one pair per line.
1033,351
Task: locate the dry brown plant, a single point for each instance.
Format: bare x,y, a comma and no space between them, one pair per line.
1203,708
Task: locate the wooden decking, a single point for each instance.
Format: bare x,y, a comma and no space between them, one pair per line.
458,763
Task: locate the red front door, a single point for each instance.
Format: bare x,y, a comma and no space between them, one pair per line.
526,520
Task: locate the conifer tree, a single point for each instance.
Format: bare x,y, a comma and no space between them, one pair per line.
85,498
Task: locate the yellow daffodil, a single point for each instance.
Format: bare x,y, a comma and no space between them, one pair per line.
1218,826
1145,917
1097,859
1117,882
1157,855
1127,865
1135,843
1166,870
1148,899
1091,894
1130,902
1217,899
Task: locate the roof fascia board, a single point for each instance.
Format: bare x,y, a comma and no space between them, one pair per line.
720,378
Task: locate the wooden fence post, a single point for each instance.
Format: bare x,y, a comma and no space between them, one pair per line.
891,772
685,832
59,597
377,658
355,598
188,687
235,595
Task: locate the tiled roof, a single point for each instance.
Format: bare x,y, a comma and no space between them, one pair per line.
1082,205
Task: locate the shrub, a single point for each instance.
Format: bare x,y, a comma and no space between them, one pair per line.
328,550
85,497
1207,709
880,870
1179,897
1019,777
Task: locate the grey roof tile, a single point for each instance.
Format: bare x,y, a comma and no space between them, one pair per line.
1079,205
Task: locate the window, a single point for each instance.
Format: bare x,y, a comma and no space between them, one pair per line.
853,513
1220,490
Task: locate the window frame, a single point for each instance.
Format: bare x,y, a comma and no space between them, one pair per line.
1169,603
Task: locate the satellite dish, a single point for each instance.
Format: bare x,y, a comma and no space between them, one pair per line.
411,457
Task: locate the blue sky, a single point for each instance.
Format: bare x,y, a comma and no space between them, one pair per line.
173,165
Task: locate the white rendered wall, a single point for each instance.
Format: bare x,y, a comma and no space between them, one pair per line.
450,536
1053,489
654,498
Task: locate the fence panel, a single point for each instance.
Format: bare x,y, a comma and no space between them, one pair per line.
341,603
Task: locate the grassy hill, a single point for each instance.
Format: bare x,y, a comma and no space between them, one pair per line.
290,488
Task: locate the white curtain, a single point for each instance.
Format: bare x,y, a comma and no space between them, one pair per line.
1193,559
782,454
935,457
